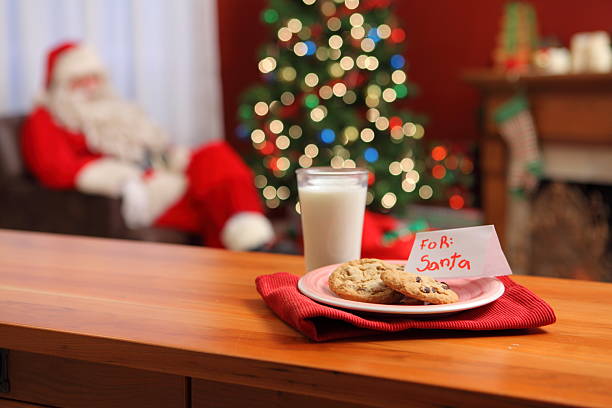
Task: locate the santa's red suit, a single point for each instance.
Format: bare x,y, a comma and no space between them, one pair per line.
97,143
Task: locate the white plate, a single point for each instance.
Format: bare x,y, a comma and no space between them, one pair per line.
473,292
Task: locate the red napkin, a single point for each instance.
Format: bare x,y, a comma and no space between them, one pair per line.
517,308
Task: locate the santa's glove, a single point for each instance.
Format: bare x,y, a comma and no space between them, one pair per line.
177,158
106,176
144,200
246,231
135,204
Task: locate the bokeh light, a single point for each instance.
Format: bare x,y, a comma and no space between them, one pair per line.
326,92
258,136
356,20
283,192
388,200
438,171
261,108
282,142
367,135
327,136
276,126
311,150
311,79
284,34
351,4
267,65
425,192
295,132
397,61
395,168
456,202
335,42
260,181
294,25
438,153
370,154
334,23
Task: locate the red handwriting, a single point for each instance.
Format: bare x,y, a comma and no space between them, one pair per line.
445,242
449,263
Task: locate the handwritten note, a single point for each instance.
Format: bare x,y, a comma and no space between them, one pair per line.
460,252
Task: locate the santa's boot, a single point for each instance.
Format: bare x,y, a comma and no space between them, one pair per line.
222,190
247,231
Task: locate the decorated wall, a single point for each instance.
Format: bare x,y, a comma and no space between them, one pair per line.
445,37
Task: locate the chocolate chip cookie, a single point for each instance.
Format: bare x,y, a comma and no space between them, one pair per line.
419,287
360,280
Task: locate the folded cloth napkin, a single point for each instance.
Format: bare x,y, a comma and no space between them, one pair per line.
517,308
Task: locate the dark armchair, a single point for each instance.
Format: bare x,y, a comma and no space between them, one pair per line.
26,205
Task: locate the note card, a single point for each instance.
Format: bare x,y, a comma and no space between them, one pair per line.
458,253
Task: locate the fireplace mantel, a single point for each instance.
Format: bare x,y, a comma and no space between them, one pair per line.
570,112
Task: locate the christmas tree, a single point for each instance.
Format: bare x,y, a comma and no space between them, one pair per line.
330,78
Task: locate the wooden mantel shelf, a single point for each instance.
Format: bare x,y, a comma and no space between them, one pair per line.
490,80
571,110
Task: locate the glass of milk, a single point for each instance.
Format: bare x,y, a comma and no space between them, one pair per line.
332,204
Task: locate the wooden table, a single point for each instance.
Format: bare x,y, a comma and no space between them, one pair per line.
95,322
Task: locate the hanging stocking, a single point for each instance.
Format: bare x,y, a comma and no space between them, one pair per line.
516,127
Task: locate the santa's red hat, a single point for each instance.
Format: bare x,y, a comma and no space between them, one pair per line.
69,60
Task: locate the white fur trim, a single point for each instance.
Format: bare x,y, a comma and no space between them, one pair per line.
145,200
105,177
246,230
77,61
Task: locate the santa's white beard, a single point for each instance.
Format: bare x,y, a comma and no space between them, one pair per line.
112,126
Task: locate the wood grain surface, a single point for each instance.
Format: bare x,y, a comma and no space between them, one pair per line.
6,403
195,312
68,383
214,394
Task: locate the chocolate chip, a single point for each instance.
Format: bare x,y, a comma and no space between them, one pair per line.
418,279
434,289
444,285
425,289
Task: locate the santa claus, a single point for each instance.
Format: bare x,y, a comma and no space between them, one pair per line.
82,136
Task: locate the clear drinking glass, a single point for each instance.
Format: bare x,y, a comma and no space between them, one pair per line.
332,205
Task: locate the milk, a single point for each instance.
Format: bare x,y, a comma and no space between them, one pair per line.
332,221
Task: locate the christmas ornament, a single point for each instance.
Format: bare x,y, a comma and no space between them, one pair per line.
552,60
